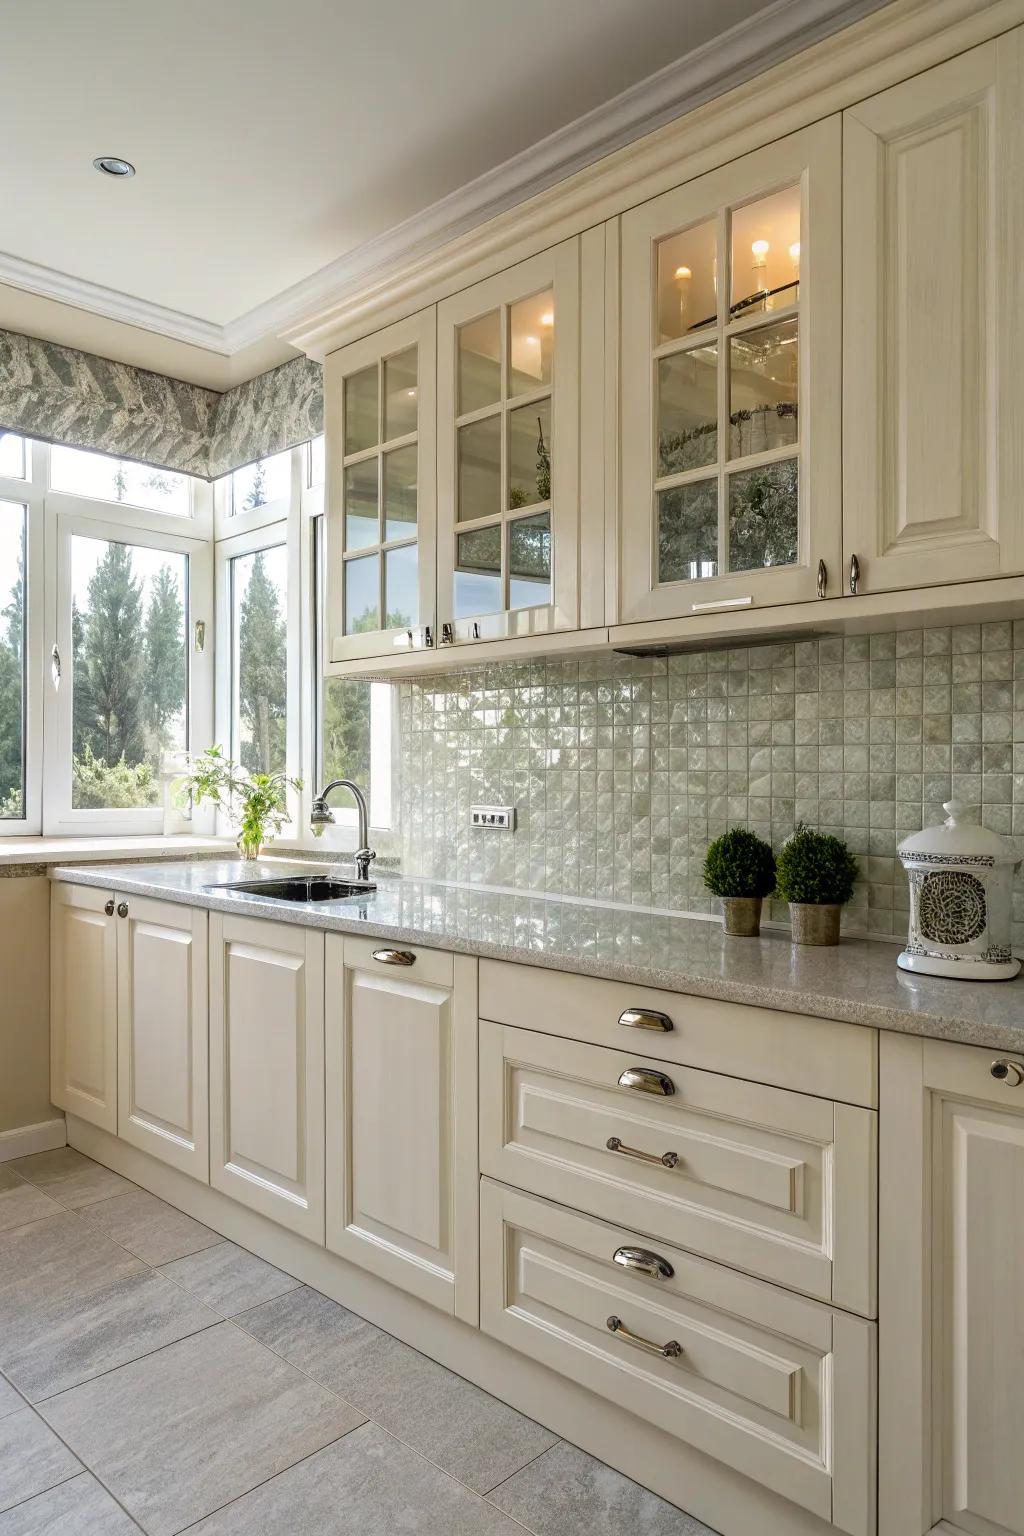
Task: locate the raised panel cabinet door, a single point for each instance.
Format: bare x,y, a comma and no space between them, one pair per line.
162,1013
378,552
979,1179
508,451
729,386
267,1069
83,1003
401,1117
933,309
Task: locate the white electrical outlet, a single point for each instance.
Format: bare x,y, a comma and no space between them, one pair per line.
493,818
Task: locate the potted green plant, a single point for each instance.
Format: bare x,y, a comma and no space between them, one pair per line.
815,873
256,803
739,868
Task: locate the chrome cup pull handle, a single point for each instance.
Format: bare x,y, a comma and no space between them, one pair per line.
644,1262
395,956
667,1159
645,1018
647,1080
670,1351
1007,1071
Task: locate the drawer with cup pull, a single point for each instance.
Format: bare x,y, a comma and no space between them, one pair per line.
771,1383
779,1184
821,1056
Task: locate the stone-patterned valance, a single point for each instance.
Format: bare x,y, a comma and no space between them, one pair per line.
74,398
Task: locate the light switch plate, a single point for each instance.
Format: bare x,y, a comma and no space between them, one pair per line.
493,818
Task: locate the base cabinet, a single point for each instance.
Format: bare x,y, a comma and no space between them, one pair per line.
951,1394
267,1069
162,1063
401,1117
83,1004
773,1384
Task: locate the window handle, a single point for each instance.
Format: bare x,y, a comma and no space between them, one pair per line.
55,666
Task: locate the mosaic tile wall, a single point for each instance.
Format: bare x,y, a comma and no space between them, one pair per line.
621,769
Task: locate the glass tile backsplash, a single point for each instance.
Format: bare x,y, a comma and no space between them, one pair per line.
622,769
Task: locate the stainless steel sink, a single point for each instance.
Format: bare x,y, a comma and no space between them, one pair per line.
301,888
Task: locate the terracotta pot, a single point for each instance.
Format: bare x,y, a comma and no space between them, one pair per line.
815,922
742,916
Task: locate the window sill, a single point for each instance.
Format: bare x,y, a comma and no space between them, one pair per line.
58,850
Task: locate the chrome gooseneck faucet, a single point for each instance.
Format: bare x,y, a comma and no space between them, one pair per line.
322,816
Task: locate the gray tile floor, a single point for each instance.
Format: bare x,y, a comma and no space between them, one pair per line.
156,1378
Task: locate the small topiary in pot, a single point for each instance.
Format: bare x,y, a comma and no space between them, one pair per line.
815,874
739,868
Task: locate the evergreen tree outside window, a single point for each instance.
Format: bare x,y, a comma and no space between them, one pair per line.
129,670
259,596
97,475
257,485
12,661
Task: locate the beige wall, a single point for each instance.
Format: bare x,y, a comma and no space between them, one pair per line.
25,1002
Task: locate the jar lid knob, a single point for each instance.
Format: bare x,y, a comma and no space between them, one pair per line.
954,810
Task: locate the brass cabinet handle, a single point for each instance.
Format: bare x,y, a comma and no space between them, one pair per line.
108,906
667,1159
394,956
647,1080
670,1351
1009,1072
644,1262
122,909
854,575
646,1018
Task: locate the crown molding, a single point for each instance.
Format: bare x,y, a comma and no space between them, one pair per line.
775,33
730,59
111,303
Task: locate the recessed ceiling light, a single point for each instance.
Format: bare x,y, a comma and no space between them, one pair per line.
113,165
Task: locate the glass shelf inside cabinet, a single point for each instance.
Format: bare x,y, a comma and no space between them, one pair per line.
380,495
726,331
505,368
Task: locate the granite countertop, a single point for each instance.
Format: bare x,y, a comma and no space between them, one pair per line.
857,983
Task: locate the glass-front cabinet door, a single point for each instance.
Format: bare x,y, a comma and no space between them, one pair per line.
730,386
379,426
508,383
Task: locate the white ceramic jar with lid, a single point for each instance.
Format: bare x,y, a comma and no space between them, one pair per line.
961,900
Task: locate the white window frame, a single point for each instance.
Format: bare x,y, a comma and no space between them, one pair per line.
30,493
261,534
67,516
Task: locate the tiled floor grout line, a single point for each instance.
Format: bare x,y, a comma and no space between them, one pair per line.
547,1449
18,1504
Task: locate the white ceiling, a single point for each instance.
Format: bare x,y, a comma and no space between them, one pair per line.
272,137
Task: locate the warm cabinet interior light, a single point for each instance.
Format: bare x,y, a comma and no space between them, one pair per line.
547,318
760,249
794,252
683,273
113,165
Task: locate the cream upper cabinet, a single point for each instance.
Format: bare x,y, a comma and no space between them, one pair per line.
508,440
162,984
267,1069
730,380
933,174
401,1118
83,1003
379,556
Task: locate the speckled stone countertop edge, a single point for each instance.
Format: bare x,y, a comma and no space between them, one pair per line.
945,1021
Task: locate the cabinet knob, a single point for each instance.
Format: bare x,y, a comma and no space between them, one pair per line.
108,906
644,1261
854,575
647,1080
822,578
645,1018
395,956
122,909
1009,1072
